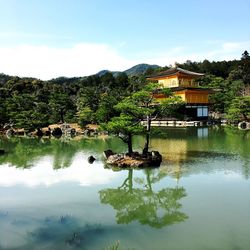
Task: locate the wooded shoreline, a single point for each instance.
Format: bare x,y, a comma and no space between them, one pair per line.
31,104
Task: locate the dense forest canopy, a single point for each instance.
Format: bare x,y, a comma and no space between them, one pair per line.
31,103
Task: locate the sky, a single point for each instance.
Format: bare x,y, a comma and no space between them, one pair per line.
52,38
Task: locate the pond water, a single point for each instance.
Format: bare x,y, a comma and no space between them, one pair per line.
199,198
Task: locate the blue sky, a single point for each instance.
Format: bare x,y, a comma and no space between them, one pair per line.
52,38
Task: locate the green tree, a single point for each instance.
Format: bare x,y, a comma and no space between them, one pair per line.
106,109
87,104
121,81
136,83
84,116
3,111
108,80
140,106
26,112
245,67
239,109
226,90
59,104
124,126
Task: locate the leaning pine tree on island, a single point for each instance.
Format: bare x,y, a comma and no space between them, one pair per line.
140,106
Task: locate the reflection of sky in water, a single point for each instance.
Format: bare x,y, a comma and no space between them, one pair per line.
42,173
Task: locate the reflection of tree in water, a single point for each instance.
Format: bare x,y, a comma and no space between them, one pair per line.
63,155
64,232
156,209
52,232
22,152
237,141
246,168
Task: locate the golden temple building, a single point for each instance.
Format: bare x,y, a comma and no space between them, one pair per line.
184,83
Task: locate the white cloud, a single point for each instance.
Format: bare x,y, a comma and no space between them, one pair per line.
228,50
172,55
231,46
216,51
48,62
42,173
84,59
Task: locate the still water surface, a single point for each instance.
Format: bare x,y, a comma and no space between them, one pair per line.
52,198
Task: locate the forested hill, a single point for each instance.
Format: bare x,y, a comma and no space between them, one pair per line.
216,68
32,103
138,69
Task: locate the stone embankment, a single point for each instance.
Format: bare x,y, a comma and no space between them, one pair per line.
57,130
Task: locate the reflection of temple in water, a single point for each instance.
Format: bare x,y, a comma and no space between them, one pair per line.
202,132
174,152
177,149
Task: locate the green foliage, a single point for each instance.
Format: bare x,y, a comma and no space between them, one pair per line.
25,112
219,69
108,80
133,109
170,107
106,108
58,105
137,107
123,124
3,110
239,109
30,103
87,100
136,83
101,94
84,116
225,91
122,80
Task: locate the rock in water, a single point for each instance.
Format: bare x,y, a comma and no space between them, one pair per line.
91,159
10,132
108,153
39,132
57,131
156,158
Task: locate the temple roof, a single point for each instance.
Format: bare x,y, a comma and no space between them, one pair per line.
210,90
174,71
176,89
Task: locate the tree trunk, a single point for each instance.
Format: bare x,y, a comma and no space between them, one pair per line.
146,145
61,115
129,142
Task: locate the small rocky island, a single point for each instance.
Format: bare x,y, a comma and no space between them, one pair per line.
134,160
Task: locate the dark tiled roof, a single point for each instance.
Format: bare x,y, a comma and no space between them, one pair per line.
193,88
173,71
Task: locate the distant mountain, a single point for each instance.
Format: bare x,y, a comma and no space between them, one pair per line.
140,69
135,70
103,72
